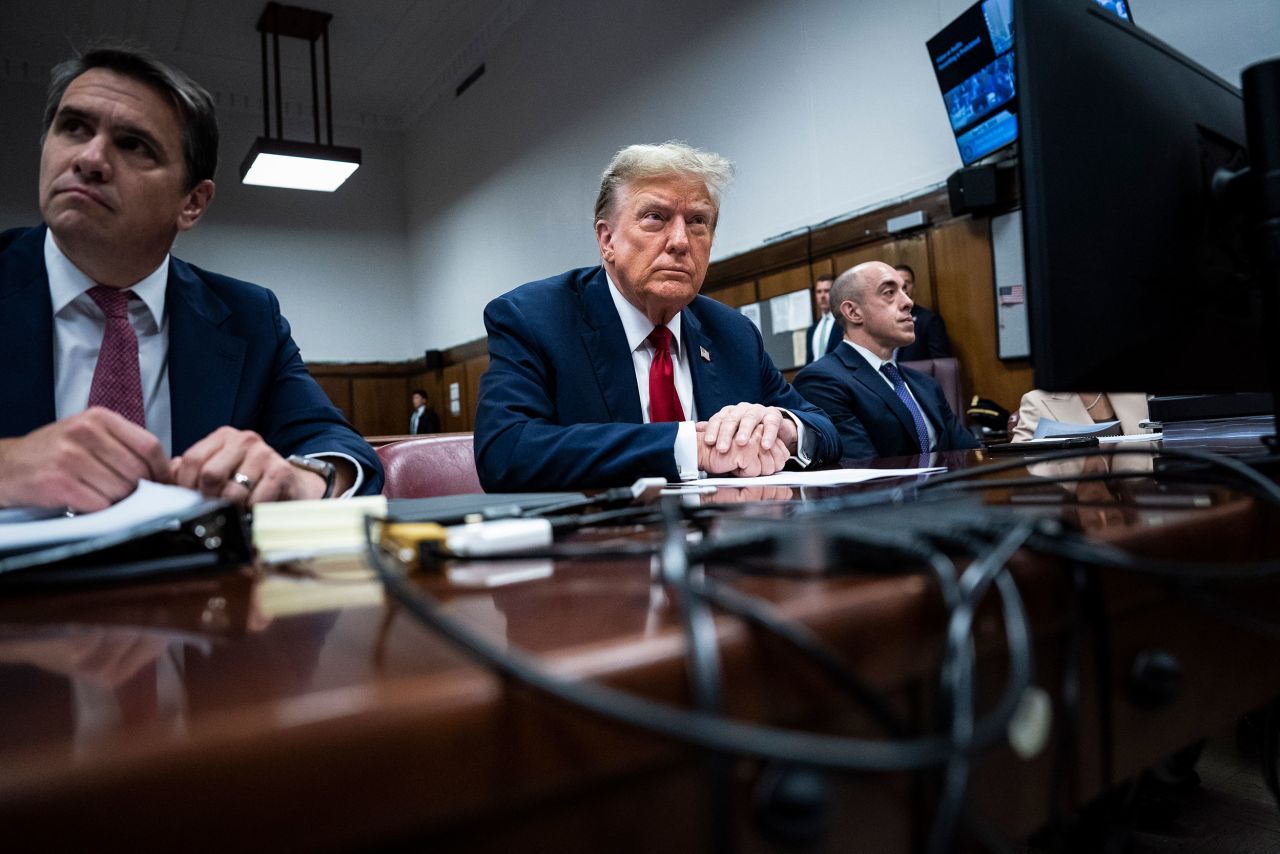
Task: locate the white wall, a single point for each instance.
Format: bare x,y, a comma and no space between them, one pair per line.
826,106
337,261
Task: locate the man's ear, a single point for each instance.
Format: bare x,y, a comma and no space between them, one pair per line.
604,239
195,204
851,312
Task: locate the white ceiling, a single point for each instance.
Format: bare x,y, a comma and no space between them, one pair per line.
390,58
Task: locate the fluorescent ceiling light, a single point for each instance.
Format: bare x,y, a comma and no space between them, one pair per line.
298,165
274,161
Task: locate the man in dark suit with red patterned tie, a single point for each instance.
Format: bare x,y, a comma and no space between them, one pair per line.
122,363
602,375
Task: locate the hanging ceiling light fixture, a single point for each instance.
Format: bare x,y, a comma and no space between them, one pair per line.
274,161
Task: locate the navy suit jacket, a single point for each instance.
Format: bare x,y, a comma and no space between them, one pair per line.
232,361
931,337
871,419
833,340
559,406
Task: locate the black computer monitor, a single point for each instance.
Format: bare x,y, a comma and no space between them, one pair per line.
1137,278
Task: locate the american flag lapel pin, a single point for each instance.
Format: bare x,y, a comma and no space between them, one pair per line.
702,351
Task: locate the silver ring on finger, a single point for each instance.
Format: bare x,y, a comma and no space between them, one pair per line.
244,480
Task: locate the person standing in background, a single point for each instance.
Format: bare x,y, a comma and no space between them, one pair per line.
424,419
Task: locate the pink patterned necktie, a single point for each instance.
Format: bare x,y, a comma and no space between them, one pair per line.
117,381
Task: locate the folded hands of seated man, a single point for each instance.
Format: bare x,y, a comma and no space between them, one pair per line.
745,439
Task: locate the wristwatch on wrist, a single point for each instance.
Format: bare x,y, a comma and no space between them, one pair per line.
324,468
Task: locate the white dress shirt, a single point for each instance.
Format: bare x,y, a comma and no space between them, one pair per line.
637,328
821,332
875,362
78,325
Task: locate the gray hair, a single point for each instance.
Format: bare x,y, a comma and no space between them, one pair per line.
638,162
192,101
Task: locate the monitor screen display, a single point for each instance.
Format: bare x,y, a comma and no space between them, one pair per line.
973,59
1119,7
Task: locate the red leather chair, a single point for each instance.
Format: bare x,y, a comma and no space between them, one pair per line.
947,373
430,466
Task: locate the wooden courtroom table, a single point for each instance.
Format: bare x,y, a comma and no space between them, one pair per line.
258,711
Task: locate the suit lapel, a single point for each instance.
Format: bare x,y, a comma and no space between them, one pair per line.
709,395
863,373
26,337
205,362
606,343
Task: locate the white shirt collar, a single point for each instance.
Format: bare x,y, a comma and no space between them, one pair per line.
872,359
67,281
635,324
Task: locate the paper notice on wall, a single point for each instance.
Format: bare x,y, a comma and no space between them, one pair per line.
1013,341
752,313
790,311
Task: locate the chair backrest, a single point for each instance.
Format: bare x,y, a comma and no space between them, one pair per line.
947,374
430,466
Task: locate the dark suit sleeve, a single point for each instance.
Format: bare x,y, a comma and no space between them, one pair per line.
429,422
297,418
778,392
827,392
520,443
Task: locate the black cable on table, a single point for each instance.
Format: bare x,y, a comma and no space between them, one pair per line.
708,731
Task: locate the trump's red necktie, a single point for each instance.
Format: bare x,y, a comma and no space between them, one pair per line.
664,403
117,381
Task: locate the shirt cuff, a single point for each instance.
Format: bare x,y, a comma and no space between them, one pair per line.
804,449
355,487
686,450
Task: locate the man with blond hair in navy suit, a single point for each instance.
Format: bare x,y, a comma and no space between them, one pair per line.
605,374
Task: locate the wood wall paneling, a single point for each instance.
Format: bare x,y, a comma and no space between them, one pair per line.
450,422
475,368
743,293
963,278
860,255
381,405
784,282
914,252
339,391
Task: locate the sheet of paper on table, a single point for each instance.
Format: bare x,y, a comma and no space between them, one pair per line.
827,477
23,528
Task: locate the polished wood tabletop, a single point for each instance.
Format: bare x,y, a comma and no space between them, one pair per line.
298,707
